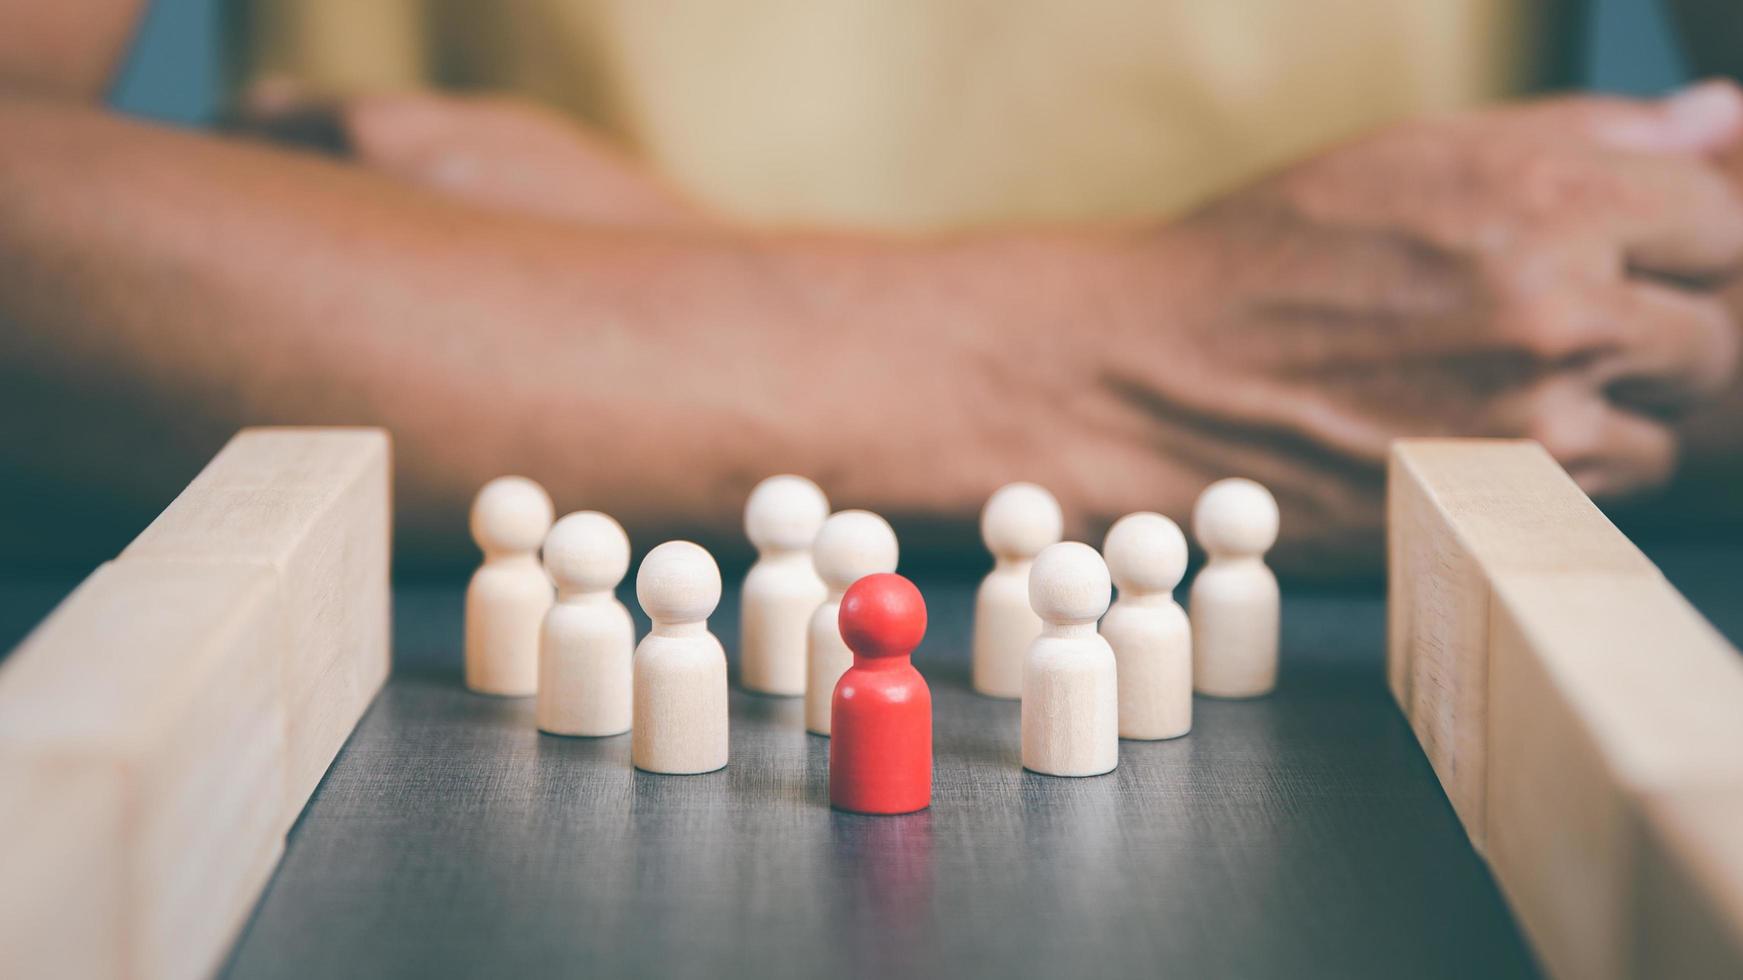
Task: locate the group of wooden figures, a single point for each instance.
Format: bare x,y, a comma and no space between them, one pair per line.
825,617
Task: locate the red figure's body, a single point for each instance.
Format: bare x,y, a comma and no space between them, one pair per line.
880,742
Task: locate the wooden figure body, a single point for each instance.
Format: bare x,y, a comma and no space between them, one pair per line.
1149,633
508,596
588,640
852,545
1234,600
680,667
1018,521
782,590
1070,715
880,750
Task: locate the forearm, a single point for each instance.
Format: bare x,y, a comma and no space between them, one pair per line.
158,289
64,49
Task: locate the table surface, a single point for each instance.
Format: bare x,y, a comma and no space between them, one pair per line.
1298,835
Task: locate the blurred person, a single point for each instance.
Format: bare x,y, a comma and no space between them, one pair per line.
649,253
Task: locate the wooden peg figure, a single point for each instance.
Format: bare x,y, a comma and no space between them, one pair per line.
1071,710
508,596
852,545
1152,641
880,748
1018,521
680,668
588,638
1234,600
782,589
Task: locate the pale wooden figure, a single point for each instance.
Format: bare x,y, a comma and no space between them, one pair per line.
510,593
852,545
1071,709
782,590
1019,520
680,667
1146,555
588,640
1234,602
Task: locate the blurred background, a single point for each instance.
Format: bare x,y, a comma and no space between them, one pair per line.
175,73
179,70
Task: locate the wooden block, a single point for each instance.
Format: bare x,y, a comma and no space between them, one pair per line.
1586,722
311,505
142,771
62,845
1608,691
1462,511
326,719
1691,892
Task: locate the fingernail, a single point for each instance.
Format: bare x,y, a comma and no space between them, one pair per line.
1705,113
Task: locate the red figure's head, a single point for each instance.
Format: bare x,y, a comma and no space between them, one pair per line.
882,616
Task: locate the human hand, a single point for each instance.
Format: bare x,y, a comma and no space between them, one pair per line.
1712,435
1550,271
490,150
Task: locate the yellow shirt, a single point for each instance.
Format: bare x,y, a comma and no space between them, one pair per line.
938,114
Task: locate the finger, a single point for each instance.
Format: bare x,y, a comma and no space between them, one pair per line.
1699,119
1640,454
1608,450
1677,218
1703,118
1678,348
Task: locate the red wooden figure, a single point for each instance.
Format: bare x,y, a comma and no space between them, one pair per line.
880,743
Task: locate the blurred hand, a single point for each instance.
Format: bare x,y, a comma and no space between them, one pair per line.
1712,435
1551,271
494,151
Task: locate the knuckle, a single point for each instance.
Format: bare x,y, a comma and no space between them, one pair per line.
1551,183
1552,429
1717,325
1532,318
1568,422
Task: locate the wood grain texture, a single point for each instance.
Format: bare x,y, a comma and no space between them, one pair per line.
313,506
1462,511
1691,885
1582,716
142,772
1607,691
1299,835
160,732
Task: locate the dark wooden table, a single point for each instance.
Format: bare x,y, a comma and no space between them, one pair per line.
1299,835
